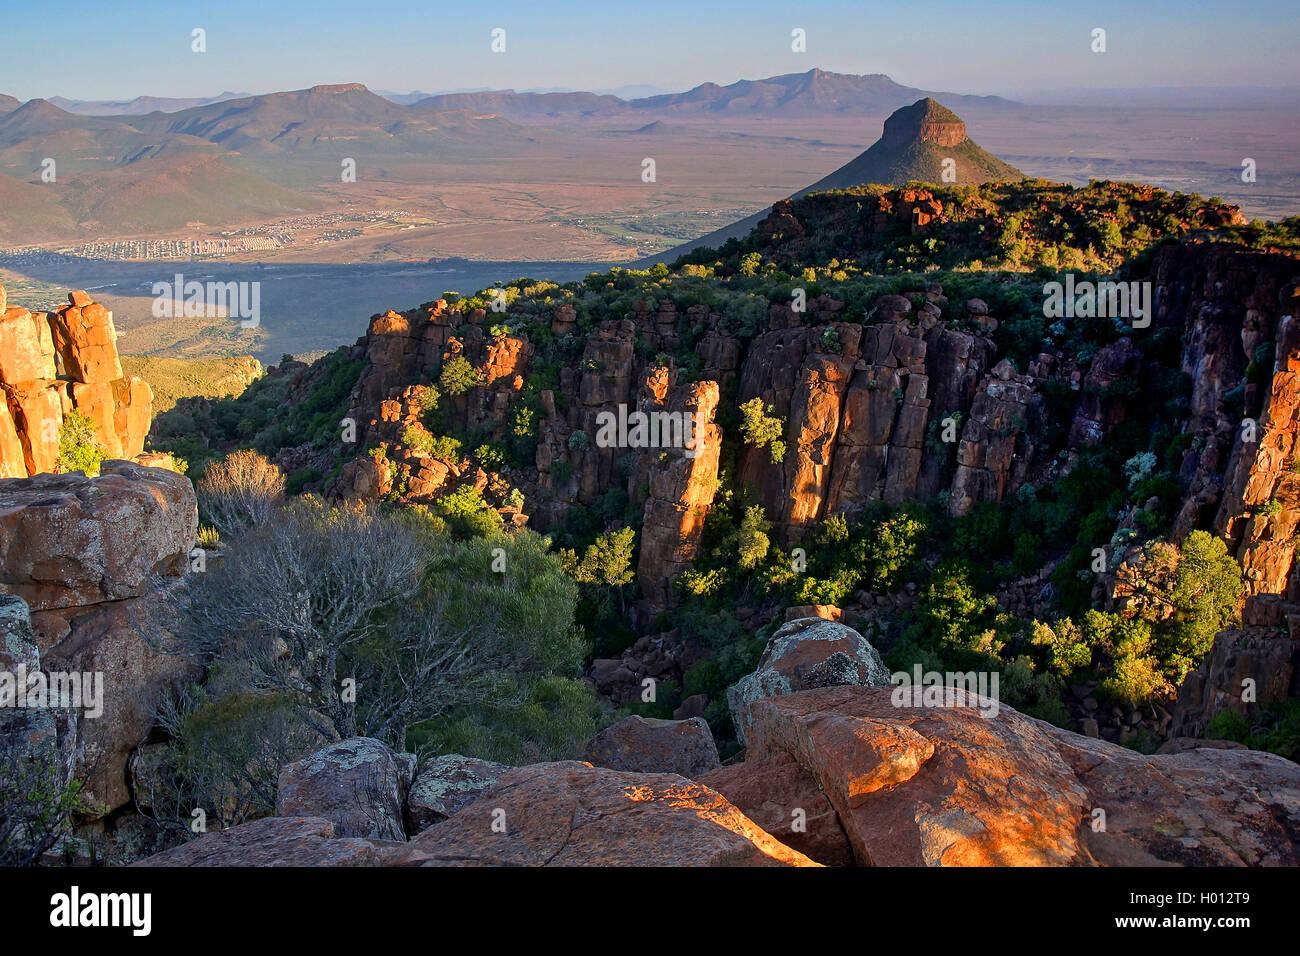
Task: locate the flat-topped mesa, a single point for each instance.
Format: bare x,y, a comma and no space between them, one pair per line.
339,88
924,121
38,392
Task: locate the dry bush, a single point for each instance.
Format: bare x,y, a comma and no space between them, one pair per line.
241,491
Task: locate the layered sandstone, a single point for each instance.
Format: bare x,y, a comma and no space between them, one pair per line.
1260,511
924,121
682,484
907,400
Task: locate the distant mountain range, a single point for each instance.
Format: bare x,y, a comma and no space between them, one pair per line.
627,92
301,124
233,156
815,93
916,143
322,119
140,105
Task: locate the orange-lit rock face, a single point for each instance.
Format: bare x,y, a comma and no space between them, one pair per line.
945,786
1263,472
507,357
899,399
26,347
681,488
82,336
86,342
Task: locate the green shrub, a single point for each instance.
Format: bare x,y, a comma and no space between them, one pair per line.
761,428
490,457
752,540
1228,725
466,513
79,450
458,376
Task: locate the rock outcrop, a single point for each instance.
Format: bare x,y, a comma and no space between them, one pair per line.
681,485
996,449
647,745
809,652
907,400
1260,512
1248,670
833,775
274,841
1236,313
69,541
51,364
925,120
359,785
445,785
785,800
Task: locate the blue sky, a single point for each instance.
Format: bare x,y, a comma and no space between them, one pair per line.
114,50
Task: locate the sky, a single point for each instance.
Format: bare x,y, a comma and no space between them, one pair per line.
118,50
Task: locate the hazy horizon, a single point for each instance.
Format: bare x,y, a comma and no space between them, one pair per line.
399,45
1032,96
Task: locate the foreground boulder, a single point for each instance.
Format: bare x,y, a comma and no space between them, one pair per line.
1210,806
445,785
649,745
101,562
122,641
38,745
572,814
359,785
274,841
946,786
808,652
70,541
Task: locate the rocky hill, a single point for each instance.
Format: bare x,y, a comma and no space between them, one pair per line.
916,142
